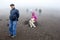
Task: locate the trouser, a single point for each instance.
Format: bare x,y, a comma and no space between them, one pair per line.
31,23
12,27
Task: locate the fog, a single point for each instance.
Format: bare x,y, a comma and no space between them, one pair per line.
48,27
47,6
31,3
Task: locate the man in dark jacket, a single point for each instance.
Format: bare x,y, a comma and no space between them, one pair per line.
14,15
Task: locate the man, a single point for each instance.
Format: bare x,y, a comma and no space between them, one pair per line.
13,18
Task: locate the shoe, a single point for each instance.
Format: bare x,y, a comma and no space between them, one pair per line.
13,36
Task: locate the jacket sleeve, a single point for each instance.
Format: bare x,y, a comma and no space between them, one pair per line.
17,13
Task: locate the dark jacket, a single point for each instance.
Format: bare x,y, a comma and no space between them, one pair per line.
14,15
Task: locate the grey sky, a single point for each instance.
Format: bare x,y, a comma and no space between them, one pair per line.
30,3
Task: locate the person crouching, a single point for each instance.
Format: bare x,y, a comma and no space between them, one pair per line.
33,20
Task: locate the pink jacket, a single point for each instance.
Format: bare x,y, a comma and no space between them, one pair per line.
34,16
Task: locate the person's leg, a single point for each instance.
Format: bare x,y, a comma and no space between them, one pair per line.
10,27
30,23
14,27
33,23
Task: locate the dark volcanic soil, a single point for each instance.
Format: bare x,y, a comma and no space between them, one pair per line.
48,28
